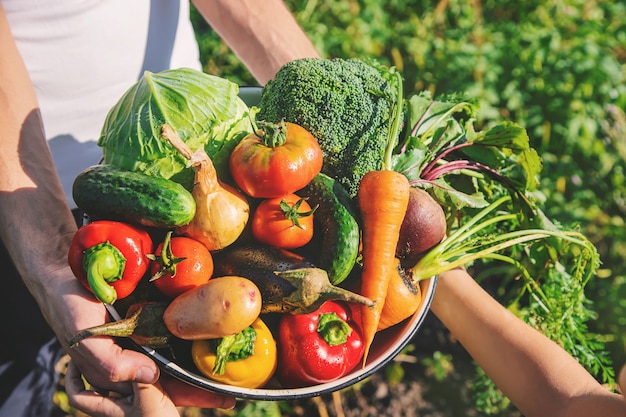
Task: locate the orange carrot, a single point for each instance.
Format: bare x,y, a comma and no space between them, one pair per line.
383,197
404,297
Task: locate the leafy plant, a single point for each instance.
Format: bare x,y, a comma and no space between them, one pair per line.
260,409
554,265
439,365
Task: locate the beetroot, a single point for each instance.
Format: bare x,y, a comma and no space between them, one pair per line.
423,227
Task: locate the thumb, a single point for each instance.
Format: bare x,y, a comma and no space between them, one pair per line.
151,400
107,365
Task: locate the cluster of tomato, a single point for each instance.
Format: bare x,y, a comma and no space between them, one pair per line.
272,164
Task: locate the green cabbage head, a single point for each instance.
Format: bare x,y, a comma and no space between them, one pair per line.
203,109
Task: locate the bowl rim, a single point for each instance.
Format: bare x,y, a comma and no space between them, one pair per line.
279,394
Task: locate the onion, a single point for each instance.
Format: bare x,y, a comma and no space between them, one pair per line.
222,212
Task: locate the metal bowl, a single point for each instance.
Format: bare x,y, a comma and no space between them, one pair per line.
387,344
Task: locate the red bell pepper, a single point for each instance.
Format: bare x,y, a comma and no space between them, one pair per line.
110,258
318,347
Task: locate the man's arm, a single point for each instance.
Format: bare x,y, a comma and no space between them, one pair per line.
36,226
539,377
263,34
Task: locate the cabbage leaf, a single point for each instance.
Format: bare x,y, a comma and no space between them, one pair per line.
203,109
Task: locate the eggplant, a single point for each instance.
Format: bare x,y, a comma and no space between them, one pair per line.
143,324
288,282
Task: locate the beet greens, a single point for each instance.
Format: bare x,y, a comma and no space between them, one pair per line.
486,182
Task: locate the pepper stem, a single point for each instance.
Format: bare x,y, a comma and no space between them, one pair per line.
232,348
333,329
104,264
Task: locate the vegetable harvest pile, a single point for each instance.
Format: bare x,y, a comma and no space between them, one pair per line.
271,244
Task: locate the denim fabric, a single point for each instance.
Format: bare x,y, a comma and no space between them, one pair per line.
30,396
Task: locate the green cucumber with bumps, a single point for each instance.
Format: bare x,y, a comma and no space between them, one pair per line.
109,192
336,225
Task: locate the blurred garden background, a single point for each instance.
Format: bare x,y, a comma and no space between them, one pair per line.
556,67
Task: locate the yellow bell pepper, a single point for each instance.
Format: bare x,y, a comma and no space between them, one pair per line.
247,359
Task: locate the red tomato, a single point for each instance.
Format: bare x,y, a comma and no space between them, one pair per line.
276,160
285,222
184,264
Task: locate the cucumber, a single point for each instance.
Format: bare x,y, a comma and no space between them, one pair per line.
335,226
109,192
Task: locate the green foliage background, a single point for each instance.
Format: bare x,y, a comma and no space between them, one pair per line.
556,67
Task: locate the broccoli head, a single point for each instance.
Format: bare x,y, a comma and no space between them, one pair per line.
345,105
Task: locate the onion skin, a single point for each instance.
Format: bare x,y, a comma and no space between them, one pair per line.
222,212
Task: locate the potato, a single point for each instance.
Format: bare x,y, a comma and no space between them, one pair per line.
220,307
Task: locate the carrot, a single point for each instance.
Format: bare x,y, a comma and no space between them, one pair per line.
383,198
403,298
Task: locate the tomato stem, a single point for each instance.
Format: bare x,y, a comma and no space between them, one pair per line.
272,135
292,213
166,260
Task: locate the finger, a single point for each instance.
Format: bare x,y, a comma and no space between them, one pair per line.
73,380
107,365
185,395
91,402
151,400
622,381
102,361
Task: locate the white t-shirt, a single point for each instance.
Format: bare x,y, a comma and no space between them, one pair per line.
82,55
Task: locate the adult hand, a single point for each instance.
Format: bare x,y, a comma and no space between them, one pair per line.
146,400
107,366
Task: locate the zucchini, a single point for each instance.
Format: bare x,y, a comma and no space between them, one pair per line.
109,192
335,226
